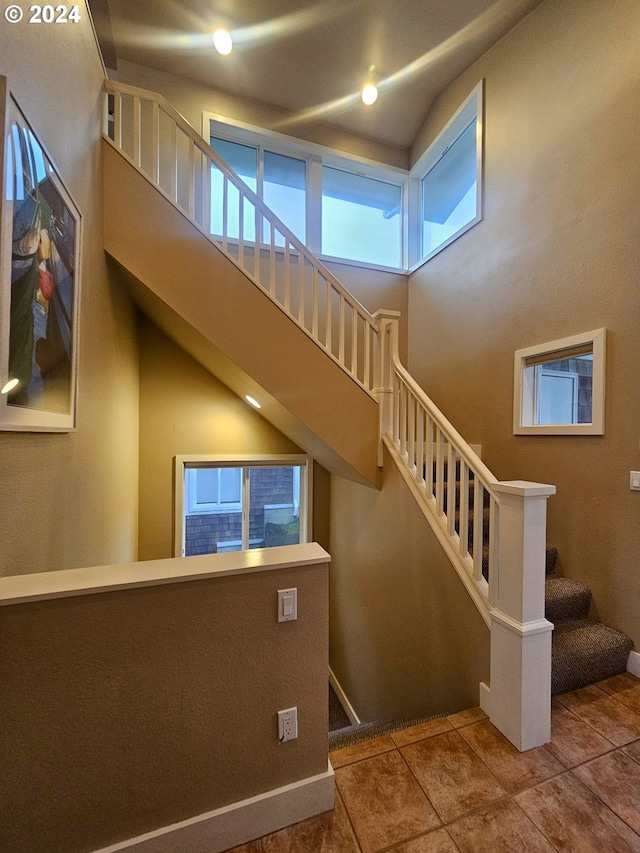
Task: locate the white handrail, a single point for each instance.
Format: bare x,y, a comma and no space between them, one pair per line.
447,476
161,144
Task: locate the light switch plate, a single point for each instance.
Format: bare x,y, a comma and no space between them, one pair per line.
287,605
634,481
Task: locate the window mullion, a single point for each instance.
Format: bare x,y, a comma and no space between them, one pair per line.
246,506
314,204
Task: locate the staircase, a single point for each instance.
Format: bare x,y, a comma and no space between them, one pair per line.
244,296
583,651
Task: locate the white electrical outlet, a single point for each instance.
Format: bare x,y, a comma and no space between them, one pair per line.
287,724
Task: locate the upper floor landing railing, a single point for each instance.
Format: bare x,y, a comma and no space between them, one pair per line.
160,143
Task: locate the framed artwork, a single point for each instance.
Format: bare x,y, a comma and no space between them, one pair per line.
40,238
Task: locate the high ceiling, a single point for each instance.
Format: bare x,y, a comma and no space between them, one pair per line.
311,57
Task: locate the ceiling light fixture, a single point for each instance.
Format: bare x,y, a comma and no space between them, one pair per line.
252,401
9,386
222,41
370,90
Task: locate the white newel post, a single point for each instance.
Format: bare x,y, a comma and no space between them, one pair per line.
387,322
520,699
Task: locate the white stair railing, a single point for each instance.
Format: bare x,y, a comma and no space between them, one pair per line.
494,533
162,145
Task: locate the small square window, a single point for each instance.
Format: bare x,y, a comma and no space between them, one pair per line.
559,387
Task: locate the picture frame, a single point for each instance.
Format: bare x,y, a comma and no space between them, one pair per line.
40,279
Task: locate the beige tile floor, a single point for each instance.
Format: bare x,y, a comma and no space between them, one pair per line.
455,785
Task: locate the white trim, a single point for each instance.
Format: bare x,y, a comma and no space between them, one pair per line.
485,698
342,697
523,389
238,823
522,629
633,663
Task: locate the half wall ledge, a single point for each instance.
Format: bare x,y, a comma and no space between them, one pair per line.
67,583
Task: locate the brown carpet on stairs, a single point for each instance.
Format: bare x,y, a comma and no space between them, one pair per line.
583,651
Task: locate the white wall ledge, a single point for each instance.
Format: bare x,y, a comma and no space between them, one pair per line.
21,589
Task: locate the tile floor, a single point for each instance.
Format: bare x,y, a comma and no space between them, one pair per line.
455,785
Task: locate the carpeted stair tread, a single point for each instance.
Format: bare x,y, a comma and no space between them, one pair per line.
565,598
583,652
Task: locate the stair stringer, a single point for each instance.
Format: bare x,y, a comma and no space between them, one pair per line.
214,311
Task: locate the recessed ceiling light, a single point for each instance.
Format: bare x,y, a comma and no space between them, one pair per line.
9,386
369,94
222,42
252,401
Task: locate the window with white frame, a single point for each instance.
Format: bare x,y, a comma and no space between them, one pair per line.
447,181
349,209
342,208
559,387
361,218
224,504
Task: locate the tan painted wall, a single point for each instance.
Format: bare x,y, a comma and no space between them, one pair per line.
405,638
557,254
71,500
184,409
127,711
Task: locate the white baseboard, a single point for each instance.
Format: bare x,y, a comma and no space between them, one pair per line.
633,663
485,698
348,707
240,822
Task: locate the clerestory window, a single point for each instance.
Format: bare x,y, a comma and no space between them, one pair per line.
342,208
448,181
349,209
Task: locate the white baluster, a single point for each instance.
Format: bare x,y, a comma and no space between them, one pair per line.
315,310
420,415
354,342
301,290
327,331
272,260
439,471
478,528
287,276
192,179
451,490
429,443
135,119
463,526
